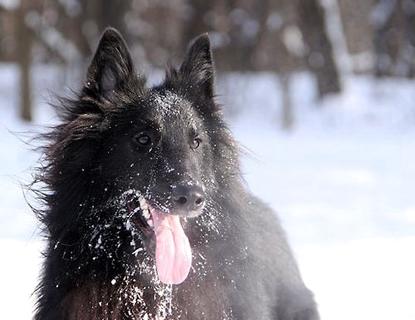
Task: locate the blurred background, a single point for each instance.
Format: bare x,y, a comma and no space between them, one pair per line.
321,94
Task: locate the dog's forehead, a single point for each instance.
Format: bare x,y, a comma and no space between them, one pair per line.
169,106
168,102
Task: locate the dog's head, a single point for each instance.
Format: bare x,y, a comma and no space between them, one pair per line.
162,152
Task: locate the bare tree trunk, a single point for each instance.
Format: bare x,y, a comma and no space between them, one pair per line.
287,112
394,38
23,54
410,37
320,58
112,14
386,38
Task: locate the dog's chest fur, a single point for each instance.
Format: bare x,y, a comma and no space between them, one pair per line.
130,301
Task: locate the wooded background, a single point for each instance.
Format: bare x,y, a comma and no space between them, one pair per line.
329,38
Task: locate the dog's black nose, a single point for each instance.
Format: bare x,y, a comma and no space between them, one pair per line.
188,197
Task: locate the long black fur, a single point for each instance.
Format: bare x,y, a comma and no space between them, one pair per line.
97,266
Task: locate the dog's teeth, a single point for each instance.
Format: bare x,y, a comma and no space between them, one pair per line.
146,214
150,223
143,203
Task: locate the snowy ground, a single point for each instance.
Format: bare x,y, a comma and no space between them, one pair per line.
342,183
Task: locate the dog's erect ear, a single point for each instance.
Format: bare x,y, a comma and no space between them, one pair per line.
111,66
197,68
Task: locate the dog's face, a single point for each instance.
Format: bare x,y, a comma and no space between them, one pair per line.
160,148
154,148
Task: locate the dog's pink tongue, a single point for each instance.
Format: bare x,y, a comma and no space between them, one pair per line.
173,253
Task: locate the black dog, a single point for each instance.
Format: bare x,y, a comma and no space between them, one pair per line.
146,214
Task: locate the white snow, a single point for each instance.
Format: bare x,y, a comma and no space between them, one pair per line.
342,183
10,4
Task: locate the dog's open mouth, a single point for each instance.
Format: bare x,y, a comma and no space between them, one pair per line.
173,252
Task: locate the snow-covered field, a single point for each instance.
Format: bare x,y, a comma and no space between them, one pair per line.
343,183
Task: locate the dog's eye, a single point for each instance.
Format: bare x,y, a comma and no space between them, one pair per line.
195,143
143,139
